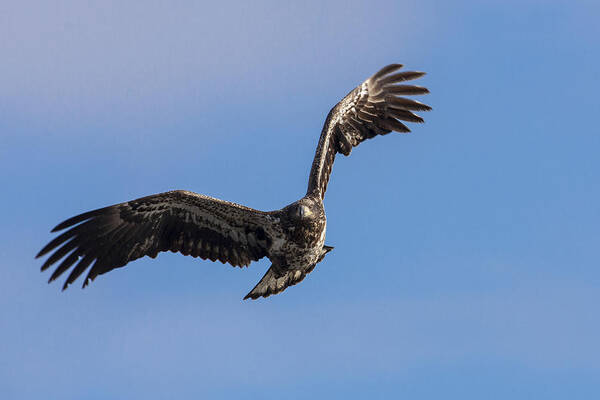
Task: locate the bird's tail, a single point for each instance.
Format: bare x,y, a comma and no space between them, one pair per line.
277,279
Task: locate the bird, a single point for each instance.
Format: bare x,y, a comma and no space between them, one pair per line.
292,238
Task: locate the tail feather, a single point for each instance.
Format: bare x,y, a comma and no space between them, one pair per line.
277,279
274,282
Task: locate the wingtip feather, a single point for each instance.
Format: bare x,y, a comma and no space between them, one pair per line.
400,77
388,69
407,89
79,218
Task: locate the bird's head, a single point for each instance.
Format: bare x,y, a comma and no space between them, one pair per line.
303,210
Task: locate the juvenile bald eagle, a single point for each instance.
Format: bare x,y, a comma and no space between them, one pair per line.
293,238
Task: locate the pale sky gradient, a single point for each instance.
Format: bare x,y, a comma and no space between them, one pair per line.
466,253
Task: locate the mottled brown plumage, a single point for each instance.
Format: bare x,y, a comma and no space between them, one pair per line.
201,226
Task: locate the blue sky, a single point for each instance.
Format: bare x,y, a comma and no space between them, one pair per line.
466,253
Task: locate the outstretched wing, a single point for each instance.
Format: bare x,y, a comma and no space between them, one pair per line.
373,108
180,221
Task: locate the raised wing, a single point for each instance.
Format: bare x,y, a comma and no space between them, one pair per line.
179,221
373,108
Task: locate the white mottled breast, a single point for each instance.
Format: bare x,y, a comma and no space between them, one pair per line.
302,257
